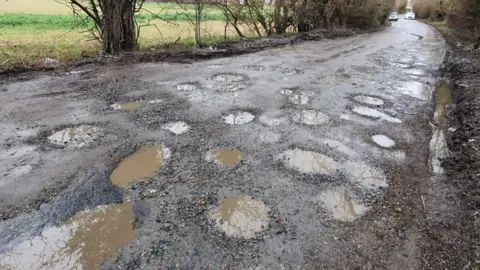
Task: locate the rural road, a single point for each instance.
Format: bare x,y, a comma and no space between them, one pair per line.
306,156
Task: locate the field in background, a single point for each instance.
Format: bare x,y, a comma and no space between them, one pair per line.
31,30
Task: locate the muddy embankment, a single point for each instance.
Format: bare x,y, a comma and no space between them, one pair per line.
452,213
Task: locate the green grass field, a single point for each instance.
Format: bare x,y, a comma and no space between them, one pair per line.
31,30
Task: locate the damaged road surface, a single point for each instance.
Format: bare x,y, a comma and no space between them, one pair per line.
308,156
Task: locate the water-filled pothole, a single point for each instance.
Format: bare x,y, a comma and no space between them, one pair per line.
240,216
139,165
176,127
82,242
365,175
369,100
376,114
383,141
75,137
187,87
341,205
227,77
415,89
310,117
443,98
299,99
308,161
272,121
238,118
225,156
285,92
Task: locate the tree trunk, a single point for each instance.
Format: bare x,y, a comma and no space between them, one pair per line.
118,26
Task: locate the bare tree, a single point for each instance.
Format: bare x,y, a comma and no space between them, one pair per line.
114,22
196,19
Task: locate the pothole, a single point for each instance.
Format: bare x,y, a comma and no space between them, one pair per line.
228,78
299,99
82,242
272,121
176,127
139,165
238,118
365,69
240,216
376,114
383,141
187,87
269,137
369,100
130,106
75,137
365,175
285,92
341,205
310,117
225,156
443,98
308,161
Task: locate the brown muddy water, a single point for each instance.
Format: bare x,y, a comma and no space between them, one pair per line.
139,165
225,156
240,216
443,98
341,205
82,242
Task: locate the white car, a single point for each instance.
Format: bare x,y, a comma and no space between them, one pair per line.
393,16
410,16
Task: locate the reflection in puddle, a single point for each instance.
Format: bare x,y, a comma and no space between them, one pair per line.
240,216
239,118
176,127
365,175
225,156
383,141
365,111
228,78
187,87
416,90
299,99
308,161
443,98
369,100
82,242
341,205
139,165
75,137
310,117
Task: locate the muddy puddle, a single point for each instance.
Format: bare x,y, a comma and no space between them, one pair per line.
240,216
225,156
308,161
376,114
238,118
383,141
286,92
140,165
443,98
75,137
341,205
369,100
310,117
176,127
82,242
364,175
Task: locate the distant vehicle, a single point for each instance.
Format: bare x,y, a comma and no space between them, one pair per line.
393,16
410,16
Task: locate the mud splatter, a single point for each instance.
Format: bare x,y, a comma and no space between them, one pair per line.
75,137
240,216
225,156
308,161
310,117
239,118
82,242
139,165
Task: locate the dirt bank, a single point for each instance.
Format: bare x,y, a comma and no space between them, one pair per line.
452,227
